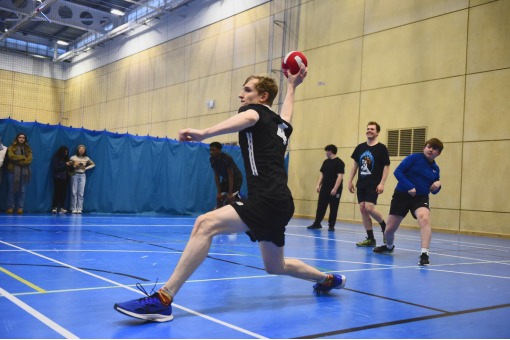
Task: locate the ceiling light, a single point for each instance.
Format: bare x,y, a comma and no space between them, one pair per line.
117,12
63,43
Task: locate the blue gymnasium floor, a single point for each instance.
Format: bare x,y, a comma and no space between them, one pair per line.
61,275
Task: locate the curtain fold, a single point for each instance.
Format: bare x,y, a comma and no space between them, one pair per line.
132,175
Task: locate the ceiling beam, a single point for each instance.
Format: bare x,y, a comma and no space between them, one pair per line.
57,11
168,6
27,18
141,4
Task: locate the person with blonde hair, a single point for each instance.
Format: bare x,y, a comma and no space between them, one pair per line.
263,138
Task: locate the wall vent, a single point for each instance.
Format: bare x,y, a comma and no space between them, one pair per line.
403,142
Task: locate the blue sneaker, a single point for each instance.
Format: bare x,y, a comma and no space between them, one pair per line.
338,283
146,308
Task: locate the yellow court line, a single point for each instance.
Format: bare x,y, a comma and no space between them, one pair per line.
20,279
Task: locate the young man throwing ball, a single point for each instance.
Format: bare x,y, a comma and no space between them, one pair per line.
263,137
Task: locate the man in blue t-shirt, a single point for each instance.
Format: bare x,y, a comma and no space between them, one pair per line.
417,175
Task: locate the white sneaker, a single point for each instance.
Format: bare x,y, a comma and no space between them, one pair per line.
78,212
54,211
63,211
75,211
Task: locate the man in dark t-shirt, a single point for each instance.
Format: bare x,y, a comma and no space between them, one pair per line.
263,138
227,176
329,188
372,164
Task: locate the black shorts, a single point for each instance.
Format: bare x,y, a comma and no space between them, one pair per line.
224,186
266,217
402,203
367,195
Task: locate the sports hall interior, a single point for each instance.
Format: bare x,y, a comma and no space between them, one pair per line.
439,66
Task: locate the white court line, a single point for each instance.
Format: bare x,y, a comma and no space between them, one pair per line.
44,319
405,237
242,330
398,249
464,257
111,251
89,217
392,267
478,261
415,267
472,274
434,239
84,226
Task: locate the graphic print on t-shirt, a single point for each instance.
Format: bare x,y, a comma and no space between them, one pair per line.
366,162
281,132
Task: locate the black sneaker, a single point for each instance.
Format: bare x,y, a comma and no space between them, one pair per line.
424,260
314,226
383,249
331,228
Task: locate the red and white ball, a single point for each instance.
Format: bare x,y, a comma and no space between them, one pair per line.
292,62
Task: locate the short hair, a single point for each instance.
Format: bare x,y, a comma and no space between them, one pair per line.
216,145
435,144
265,84
377,126
331,148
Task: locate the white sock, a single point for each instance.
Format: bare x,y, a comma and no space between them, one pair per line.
425,250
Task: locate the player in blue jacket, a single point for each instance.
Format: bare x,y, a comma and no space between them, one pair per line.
417,175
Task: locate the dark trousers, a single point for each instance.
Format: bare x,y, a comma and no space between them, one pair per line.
326,199
59,192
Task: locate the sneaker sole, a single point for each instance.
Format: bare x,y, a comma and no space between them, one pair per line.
366,245
149,317
423,264
383,253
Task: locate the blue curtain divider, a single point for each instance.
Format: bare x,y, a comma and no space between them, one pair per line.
132,175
